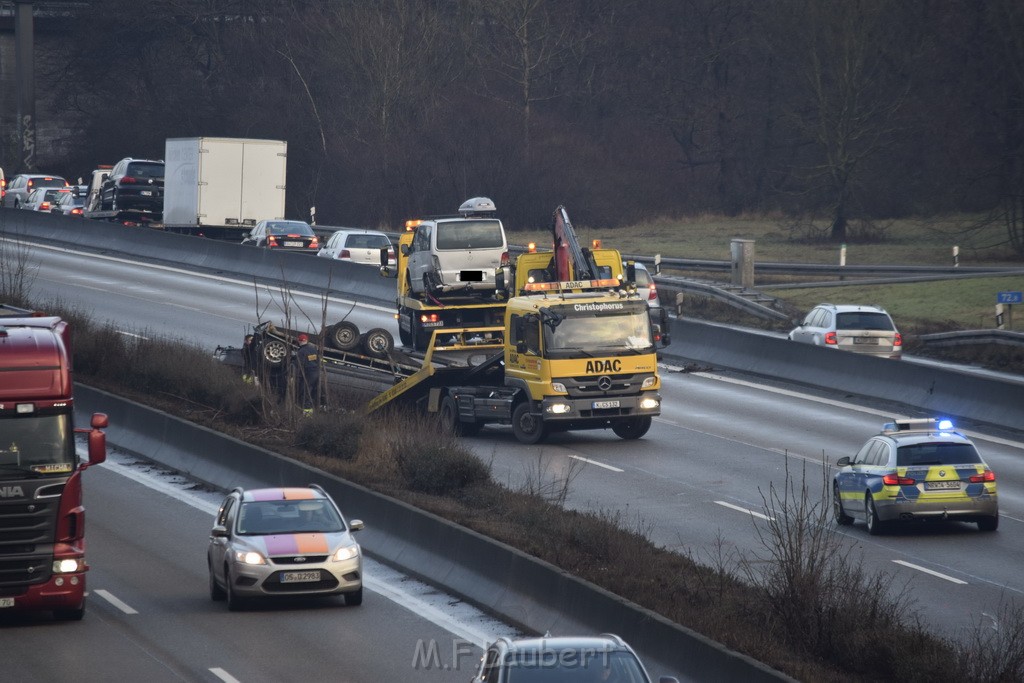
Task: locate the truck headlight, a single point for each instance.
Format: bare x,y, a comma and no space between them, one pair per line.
649,403
558,387
649,382
346,553
249,557
559,408
68,565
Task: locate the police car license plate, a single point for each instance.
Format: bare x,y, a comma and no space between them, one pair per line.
293,244
6,602
941,485
299,577
601,405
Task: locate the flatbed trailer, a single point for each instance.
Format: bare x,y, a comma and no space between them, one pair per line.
130,217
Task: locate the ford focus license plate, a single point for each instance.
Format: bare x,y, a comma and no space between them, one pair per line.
602,405
6,602
299,577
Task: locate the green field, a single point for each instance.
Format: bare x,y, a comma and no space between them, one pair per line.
967,303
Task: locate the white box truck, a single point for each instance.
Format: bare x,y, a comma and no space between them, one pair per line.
220,187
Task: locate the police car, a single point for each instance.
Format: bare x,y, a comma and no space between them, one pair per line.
915,469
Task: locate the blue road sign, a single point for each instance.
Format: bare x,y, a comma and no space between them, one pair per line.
1010,298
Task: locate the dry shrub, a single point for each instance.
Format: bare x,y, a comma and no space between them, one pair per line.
993,651
332,435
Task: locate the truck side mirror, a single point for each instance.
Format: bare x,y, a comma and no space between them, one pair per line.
405,249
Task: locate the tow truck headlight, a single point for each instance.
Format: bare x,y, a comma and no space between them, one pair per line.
649,382
346,553
558,387
649,403
68,565
559,408
249,557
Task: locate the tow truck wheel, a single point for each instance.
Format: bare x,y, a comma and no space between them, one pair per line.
526,426
378,343
274,352
343,336
632,427
74,614
449,414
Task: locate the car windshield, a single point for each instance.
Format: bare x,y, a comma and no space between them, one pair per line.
290,228
937,454
367,241
573,666
40,443
863,320
470,235
289,517
145,170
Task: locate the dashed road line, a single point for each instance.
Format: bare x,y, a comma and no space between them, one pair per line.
223,675
115,601
595,462
744,510
930,571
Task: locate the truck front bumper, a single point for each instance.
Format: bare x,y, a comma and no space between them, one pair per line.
62,591
563,408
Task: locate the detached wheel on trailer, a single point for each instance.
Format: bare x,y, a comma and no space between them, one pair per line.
632,427
378,343
343,336
526,426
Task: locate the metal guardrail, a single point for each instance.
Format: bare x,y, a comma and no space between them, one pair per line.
973,338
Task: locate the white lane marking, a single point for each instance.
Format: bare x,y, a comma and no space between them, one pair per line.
223,675
132,334
114,601
932,572
780,451
744,510
185,271
594,462
480,638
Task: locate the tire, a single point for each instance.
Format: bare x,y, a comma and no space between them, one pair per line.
378,343
449,414
113,200
988,523
632,427
235,603
416,335
526,426
217,593
875,526
343,336
355,598
73,614
274,352
403,335
842,519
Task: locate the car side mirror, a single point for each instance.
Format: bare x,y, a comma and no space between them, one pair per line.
355,525
843,461
219,531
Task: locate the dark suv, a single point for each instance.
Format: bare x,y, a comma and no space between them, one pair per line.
134,184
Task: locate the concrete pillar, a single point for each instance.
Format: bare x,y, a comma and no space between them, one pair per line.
742,262
24,66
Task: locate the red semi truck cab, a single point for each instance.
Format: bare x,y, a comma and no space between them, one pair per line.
42,519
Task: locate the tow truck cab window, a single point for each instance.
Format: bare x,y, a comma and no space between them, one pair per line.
526,334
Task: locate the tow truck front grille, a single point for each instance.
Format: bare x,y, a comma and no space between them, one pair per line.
591,386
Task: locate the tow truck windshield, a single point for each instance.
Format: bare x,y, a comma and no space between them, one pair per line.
598,332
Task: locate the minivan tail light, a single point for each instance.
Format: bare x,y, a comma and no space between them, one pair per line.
896,480
504,259
654,293
987,475
899,340
830,338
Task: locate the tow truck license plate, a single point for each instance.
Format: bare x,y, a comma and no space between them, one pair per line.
6,602
942,485
300,577
600,405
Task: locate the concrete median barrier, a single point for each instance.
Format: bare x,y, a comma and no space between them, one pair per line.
531,594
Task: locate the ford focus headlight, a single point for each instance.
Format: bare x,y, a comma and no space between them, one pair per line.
249,557
346,553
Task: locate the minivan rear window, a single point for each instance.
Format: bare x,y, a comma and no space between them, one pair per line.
470,235
859,320
48,182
